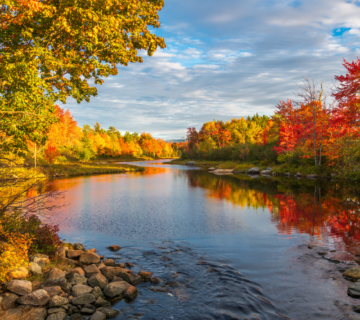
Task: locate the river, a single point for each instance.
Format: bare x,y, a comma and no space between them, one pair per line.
229,247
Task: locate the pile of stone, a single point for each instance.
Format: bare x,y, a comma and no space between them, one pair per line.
88,287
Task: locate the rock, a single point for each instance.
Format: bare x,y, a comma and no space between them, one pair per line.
77,317
354,290
129,264
110,272
75,278
124,275
93,250
88,310
89,258
60,252
79,246
100,302
65,262
54,273
353,273
190,163
57,301
98,316
109,262
62,283
54,291
80,289
11,314
35,314
298,175
57,316
339,256
265,172
55,310
110,313
84,299
101,266
34,268
18,273
20,287
160,289
253,170
356,308
114,248
36,298
97,293
8,301
222,171
41,259
211,169
78,270
98,280
312,176
146,276
73,254
116,289
155,280
130,293
182,294
91,270
120,265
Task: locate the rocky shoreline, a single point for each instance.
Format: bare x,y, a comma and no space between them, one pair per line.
77,283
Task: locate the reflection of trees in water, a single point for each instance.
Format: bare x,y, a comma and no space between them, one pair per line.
318,208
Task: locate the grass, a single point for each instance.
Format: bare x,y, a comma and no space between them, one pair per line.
86,168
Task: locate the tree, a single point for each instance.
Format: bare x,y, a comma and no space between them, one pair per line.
51,49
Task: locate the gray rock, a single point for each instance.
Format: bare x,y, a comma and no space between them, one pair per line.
34,268
41,259
78,270
77,317
190,163
91,270
97,293
265,172
54,273
75,278
57,316
88,309
80,289
98,280
57,301
254,170
56,310
36,298
89,258
60,252
73,254
84,299
62,283
110,272
98,316
114,248
20,287
65,262
54,291
8,301
101,266
354,290
110,313
160,289
11,314
78,246
100,302
312,176
35,314
130,293
109,262
116,289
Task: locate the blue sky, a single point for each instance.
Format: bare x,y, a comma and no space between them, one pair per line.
226,59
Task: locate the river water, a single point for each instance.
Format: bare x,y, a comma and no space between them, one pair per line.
228,247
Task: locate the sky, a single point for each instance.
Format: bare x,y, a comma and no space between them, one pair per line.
226,59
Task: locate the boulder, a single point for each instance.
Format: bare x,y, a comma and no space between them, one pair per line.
100,302
268,168
18,273
97,293
211,169
110,272
8,301
34,268
60,252
129,264
145,275
130,293
57,301
182,294
11,314
54,291
155,280
98,316
91,270
75,278
101,266
98,280
353,273
114,248
20,287
36,298
80,289
116,289
62,283
93,250
65,262
354,290
84,299
79,246
54,273
312,176
74,254
56,310
77,316
41,259
190,163
128,277
110,313
88,309
109,262
160,289
78,270
35,314
89,258
254,170
57,316
265,172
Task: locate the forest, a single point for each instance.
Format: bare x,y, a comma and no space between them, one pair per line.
319,131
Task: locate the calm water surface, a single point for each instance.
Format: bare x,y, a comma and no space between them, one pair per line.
230,247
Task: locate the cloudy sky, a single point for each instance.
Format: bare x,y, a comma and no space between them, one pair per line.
226,59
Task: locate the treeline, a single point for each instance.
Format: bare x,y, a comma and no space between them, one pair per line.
66,141
308,132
